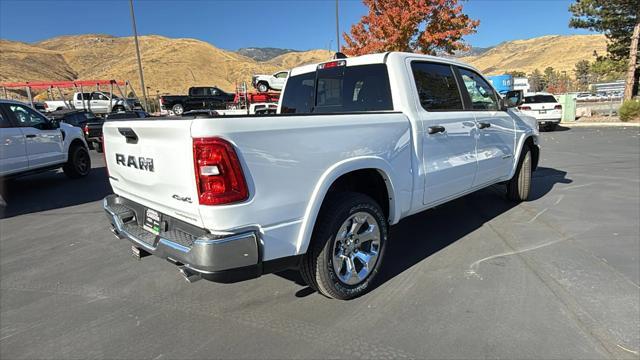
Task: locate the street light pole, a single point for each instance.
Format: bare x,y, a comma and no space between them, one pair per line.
135,37
337,28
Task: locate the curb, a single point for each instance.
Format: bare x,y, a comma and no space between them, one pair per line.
602,124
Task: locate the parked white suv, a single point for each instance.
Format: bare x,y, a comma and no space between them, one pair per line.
265,83
544,107
359,144
32,143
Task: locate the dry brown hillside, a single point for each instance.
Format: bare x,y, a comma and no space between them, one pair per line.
559,52
20,62
170,65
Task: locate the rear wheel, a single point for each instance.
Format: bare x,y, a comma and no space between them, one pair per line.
347,246
79,162
177,109
118,108
263,87
519,187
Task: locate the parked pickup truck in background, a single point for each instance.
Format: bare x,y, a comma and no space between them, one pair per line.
99,102
265,83
33,143
199,98
358,144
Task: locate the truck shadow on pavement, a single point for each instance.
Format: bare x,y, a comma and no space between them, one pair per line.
420,236
51,190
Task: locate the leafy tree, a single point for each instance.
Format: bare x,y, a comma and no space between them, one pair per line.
550,77
607,69
618,20
423,26
582,71
536,81
517,73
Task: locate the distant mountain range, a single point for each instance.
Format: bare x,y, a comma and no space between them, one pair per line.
173,65
263,53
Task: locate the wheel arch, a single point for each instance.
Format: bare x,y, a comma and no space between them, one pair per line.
374,168
530,140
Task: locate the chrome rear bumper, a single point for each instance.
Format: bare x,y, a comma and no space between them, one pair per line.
184,244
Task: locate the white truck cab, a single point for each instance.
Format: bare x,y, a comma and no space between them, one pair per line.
265,83
357,144
32,143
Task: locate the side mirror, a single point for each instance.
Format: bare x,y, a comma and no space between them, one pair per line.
512,99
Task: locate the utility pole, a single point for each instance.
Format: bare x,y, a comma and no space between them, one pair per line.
337,28
135,37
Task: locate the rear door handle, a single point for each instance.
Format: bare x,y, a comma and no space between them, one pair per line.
436,129
30,136
484,125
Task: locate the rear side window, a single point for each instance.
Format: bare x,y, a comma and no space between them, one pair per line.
86,96
437,86
537,99
339,89
353,89
298,94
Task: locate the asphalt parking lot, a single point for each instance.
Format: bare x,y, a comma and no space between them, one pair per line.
556,277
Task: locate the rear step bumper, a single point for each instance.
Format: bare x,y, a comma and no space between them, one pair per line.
197,252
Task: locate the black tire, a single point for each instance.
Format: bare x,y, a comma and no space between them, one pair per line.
263,87
118,108
519,187
98,147
178,109
90,145
317,268
79,163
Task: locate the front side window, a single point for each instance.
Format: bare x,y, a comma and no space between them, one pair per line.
482,95
437,86
4,123
27,117
281,75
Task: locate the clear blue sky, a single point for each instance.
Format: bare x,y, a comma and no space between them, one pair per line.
296,24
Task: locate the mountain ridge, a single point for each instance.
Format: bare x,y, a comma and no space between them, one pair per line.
172,65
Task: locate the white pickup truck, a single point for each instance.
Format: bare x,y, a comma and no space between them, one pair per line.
32,143
265,83
357,145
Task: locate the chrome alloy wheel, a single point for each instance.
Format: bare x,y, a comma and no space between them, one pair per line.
356,248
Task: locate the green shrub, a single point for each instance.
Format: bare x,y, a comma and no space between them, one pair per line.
630,110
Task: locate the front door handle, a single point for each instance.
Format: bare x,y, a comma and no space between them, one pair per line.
436,129
483,125
30,136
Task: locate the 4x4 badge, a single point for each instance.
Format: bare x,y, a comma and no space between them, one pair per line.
181,198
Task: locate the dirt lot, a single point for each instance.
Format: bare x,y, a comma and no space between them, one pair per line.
556,277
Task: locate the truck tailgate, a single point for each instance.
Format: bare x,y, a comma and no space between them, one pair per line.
151,162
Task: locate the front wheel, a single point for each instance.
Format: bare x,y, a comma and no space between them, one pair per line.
263,87
78,164
519,187
347,246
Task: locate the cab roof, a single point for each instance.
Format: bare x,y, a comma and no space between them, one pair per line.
379,58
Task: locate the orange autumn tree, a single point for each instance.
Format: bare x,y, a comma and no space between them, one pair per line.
421,26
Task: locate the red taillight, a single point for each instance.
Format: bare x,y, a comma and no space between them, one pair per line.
161,102
332,64
524,107
558,107
219,175
46,106
86,129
